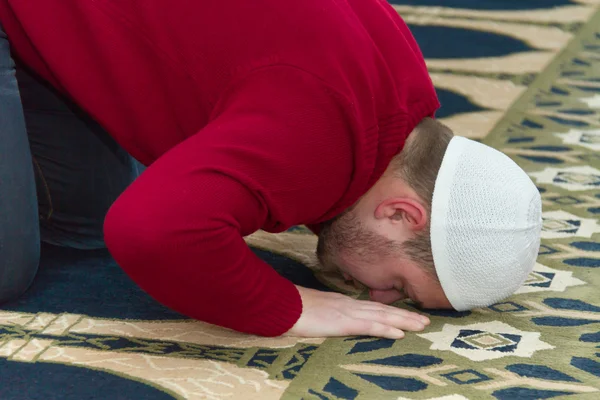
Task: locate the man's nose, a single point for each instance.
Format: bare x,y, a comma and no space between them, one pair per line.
386,296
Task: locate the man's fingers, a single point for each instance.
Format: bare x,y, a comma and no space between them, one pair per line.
390,319
333,314
365,327
373,306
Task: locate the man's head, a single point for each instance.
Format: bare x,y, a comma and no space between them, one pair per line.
383,241
420,231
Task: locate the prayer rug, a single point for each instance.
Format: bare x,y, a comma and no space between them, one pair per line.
522,76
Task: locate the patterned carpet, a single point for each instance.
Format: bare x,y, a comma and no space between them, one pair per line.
521,75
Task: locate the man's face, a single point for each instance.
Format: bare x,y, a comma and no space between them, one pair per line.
366,256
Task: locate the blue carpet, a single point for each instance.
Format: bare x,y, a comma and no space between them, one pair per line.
456,43
91,283
29,381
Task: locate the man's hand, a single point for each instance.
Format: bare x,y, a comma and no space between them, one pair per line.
333,314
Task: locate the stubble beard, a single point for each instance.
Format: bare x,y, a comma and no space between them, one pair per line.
346,241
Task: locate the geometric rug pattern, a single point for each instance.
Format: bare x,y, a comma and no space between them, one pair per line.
523,77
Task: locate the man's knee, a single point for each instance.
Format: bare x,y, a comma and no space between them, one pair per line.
18,266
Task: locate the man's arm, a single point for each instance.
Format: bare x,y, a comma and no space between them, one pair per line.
182,242
278,152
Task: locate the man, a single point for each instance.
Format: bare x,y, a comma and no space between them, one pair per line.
263,115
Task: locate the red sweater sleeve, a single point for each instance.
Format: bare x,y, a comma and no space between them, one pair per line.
278,153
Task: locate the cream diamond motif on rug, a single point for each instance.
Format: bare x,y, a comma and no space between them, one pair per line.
547,279
535,278
572,178
486,341
561,224
589,139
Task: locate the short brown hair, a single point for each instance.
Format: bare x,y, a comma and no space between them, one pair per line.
418,165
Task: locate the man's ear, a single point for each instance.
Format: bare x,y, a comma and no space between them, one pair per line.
403,210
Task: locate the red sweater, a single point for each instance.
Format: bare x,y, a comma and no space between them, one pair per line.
259,114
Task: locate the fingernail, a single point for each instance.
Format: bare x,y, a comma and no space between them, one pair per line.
425,320
420,327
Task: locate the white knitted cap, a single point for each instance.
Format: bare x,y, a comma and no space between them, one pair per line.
486,222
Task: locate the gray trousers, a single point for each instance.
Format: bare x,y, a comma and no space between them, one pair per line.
59,174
